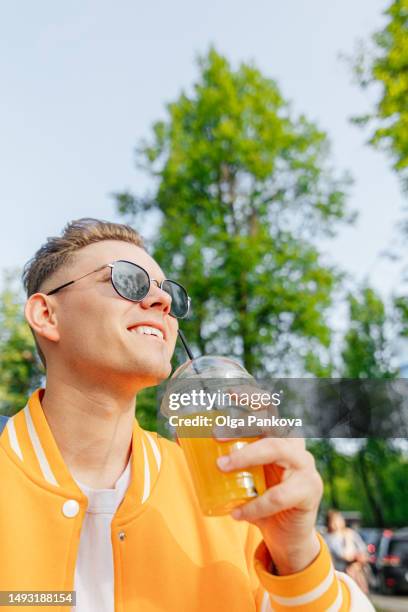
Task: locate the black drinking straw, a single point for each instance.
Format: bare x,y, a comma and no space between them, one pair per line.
185,344
189,353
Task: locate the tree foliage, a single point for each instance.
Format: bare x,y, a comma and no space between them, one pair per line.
20,369
387,67
379,464
366,352
378,489
243,188
371,478
367,355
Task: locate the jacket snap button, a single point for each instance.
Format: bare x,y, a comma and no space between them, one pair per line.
122,535
70,508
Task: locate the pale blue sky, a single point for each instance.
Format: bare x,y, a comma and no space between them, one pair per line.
82,81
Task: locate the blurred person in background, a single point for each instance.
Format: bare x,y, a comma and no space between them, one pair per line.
347,549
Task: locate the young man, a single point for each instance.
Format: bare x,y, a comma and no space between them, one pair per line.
90,502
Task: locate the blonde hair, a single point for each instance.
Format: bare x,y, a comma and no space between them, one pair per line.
58,251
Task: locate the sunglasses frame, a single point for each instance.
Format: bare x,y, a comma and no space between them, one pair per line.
150,280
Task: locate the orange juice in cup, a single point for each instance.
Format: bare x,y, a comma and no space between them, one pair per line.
217,492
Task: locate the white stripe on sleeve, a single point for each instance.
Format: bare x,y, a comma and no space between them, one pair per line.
336,606
306,597
358,601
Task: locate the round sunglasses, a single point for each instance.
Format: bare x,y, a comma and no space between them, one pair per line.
133,283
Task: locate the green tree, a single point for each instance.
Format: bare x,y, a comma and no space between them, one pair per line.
387,68
401,306
327,460
20,369
243,189
372,478
386,465
367,355
366,352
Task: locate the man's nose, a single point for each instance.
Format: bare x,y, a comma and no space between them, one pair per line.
157,298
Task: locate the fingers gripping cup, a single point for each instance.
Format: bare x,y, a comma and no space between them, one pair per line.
196,416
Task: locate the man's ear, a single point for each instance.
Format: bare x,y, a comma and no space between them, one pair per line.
41,316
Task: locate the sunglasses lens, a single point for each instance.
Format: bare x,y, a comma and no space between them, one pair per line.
179,298
130,281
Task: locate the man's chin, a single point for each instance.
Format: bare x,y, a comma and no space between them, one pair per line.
151,377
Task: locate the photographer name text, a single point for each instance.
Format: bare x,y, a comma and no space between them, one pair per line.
222,420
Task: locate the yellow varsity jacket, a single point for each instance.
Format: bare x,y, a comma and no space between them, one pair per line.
167,556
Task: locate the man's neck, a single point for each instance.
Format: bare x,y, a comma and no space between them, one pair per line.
93,430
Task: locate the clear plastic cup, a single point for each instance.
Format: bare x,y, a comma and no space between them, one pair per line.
218,492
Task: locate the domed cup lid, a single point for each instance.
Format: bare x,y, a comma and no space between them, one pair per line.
211,366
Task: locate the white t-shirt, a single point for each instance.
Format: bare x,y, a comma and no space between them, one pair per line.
94,579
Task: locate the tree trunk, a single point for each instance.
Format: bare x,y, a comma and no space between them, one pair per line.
331,477
365,478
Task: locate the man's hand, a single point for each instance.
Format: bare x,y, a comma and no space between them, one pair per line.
286,512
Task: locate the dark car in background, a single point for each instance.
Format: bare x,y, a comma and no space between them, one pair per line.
392,562
372,538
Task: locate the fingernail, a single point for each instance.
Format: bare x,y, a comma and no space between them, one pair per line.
223,462
236,514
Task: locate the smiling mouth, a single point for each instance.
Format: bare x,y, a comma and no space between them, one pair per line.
146,330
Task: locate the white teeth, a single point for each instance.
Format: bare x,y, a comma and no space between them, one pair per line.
146,329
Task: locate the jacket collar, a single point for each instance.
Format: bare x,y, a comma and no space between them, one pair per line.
28,440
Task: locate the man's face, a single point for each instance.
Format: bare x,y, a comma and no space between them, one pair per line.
99,331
